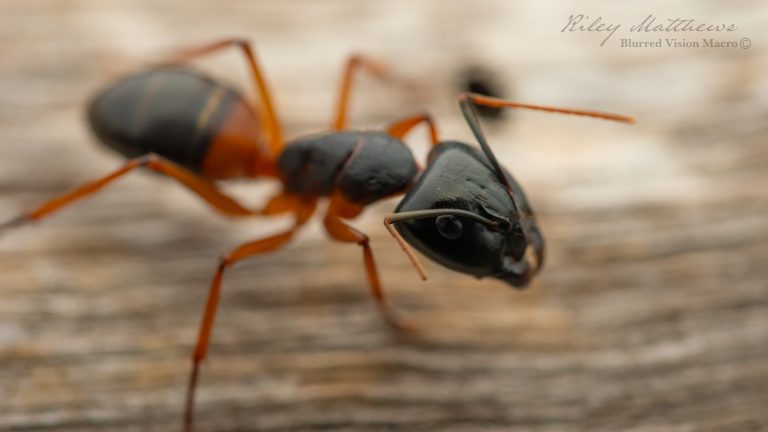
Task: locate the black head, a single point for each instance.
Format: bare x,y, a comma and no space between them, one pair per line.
462,216
468,213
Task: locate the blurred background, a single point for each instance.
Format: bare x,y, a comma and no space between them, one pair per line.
650,314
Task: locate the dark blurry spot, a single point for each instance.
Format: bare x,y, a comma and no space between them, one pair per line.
480,80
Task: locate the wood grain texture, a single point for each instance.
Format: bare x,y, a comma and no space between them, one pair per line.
651,314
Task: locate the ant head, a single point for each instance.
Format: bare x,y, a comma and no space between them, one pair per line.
462,215
468,213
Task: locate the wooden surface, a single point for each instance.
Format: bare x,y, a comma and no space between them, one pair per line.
651,313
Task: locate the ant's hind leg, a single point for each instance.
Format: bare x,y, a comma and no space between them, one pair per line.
200,186
268,112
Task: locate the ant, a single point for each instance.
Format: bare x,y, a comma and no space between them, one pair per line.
463,210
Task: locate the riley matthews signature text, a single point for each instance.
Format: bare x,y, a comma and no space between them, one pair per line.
582,23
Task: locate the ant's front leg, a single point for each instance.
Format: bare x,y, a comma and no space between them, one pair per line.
341,231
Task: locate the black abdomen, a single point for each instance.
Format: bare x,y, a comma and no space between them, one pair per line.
365,166
174,112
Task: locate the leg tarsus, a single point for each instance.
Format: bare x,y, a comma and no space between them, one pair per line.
16,222
189,408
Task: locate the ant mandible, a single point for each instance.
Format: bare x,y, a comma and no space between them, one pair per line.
463,210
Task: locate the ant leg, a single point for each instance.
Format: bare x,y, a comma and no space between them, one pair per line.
355,61
200,186
339,230
402,127
241,252
283,203
268,114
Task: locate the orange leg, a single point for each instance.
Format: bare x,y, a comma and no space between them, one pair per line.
269,115
243,251
354,62
339,230
282,203
200,186
402,127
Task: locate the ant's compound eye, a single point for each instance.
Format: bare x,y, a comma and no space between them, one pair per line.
448,227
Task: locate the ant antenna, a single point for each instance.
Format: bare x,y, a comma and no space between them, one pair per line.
468,101
467,104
